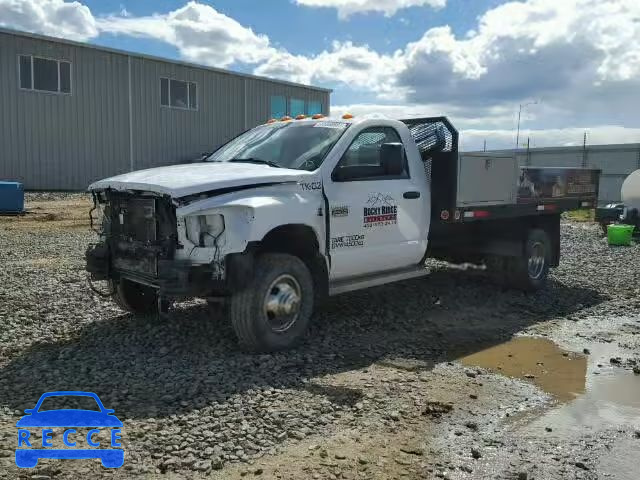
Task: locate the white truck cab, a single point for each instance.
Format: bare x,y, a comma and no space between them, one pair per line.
295,210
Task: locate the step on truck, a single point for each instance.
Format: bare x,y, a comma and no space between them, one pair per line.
293,211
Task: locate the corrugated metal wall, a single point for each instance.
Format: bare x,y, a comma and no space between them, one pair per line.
615,161
61,141
64,142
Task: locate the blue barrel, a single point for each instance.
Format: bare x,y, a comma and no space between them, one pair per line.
11,197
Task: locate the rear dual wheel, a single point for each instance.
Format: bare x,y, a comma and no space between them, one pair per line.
529,271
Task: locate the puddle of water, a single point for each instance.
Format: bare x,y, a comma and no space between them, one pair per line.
591,397
611,399
538,360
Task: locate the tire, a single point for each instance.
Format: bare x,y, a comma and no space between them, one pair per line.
259,314
529,272
135,298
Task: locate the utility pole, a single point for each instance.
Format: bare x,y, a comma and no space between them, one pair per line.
584,150
522,105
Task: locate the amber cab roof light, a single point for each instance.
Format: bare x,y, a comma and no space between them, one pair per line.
347,116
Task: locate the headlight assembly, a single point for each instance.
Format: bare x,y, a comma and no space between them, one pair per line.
204,230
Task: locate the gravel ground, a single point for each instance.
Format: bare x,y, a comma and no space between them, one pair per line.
375,391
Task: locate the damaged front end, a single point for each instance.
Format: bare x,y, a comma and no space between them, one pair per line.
139,241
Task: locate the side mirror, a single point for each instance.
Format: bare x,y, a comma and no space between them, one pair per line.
29,411
392,158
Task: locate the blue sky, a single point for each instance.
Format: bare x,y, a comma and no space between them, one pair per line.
307,30
475,61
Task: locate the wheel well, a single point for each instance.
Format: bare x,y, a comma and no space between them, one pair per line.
301,241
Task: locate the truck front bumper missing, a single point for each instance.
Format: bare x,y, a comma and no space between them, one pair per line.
176,278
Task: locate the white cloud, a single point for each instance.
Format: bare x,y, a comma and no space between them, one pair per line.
538,45
51,17
355,65
201,34
389,8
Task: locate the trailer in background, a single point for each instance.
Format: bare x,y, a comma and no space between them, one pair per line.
628,210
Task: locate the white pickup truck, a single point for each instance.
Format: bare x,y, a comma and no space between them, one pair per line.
295,210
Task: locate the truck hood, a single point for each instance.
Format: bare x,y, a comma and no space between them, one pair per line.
189,179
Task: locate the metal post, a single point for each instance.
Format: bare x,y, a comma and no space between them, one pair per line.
246,119
130,117
584,151
518,134
522,105
485,145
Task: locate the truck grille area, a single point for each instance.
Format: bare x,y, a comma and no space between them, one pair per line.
141,230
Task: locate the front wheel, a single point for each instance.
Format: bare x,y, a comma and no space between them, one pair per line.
273,311
135,297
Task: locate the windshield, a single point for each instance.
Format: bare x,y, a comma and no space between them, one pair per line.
300,146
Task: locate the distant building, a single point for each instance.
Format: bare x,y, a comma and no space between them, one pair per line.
71,113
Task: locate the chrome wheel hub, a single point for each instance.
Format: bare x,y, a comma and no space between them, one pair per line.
282,303
536,261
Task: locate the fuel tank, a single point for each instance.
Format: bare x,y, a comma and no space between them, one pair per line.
631,191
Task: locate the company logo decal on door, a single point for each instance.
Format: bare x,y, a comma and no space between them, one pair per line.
381,210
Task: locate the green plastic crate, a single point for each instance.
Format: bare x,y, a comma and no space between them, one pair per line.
619,234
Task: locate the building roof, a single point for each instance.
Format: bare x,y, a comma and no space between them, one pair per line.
63,41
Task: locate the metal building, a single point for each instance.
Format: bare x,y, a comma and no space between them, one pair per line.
71,113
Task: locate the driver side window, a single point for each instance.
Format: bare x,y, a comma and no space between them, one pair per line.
363,159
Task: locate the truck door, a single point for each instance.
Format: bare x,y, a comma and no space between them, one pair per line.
377,219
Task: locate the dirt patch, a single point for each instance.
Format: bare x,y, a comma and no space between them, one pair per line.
348,455
68,213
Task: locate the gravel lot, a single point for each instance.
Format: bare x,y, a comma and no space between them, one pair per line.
376,390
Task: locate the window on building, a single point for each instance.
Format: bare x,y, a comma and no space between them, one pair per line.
278,106
297,107
178,94
44,74
314,107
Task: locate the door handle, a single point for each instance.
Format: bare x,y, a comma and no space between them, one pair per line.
411,195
